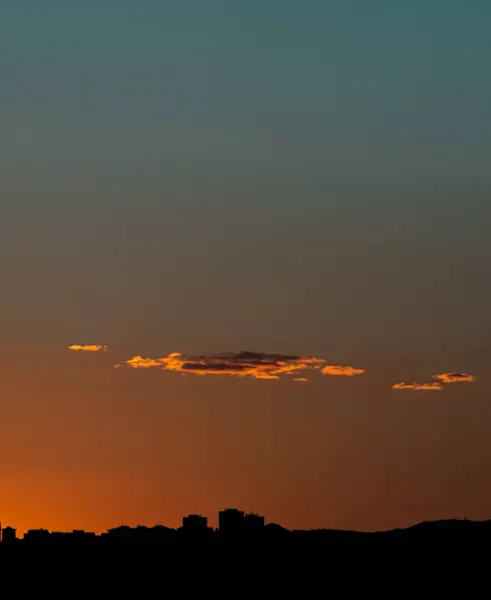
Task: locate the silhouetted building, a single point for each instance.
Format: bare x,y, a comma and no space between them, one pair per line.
231,521
77,536
139,534
81,535
37,535
9,534
194,523
253,522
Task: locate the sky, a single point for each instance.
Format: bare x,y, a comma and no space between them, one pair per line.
296,180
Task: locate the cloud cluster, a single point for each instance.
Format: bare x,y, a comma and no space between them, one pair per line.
260,365
257,365
454,378
88,348
418,387
438,384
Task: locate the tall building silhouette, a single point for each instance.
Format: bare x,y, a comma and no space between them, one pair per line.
9,534
231,521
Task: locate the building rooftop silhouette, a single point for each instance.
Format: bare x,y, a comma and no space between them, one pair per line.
194,523
8,534
233,521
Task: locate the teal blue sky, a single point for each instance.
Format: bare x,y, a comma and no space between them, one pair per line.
307,177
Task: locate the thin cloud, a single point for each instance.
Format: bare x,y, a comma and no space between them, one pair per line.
418,387
88,348
301,379
257,365
340,371
454,378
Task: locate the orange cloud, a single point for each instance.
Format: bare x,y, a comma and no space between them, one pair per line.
419,387
454,378
340,371
300,379
88,348
256,365
139,362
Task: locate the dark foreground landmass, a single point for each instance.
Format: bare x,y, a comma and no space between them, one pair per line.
160,561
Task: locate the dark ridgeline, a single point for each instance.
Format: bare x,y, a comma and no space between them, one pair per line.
243,549
237,527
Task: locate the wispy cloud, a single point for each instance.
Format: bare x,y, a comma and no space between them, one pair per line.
88,348
418,387
257,365
340,371
454,378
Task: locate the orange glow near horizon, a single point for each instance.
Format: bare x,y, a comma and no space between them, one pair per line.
87,447
99,451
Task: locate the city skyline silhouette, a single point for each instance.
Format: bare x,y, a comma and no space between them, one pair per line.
232,523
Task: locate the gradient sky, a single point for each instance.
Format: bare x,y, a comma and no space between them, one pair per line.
307,178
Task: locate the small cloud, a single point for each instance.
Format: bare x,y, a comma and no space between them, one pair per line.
454,378
88,348
263,376
339,371
419,387
140,362
302,379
